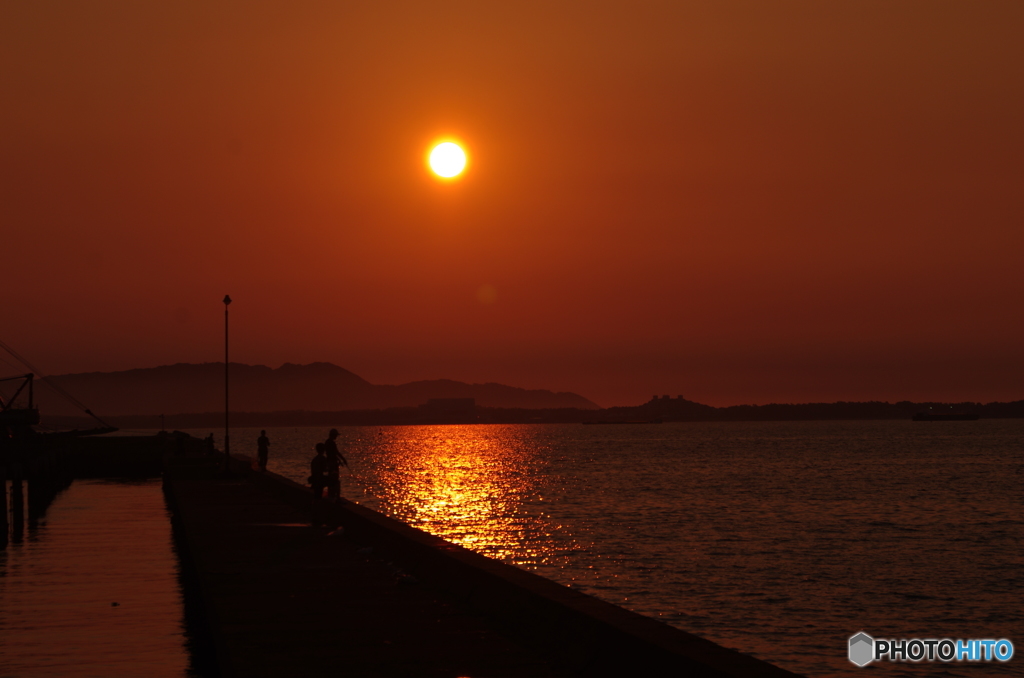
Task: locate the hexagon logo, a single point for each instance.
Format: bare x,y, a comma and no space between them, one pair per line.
862,649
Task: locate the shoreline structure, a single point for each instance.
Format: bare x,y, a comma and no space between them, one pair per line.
657,410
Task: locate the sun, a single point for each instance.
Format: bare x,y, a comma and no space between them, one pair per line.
447,160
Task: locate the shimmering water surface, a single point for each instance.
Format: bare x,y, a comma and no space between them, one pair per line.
100,543
780,539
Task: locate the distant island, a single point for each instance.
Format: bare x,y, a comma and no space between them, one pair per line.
323,394
183,388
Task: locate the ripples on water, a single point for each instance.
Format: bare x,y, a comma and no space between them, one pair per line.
99,543
780,539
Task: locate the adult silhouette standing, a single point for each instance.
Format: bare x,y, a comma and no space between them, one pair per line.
263,449
335,459
318,472
318,481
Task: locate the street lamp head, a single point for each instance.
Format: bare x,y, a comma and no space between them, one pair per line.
227,300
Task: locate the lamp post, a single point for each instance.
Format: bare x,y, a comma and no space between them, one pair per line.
227,427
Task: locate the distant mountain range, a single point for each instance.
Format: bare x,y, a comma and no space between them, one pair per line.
318,387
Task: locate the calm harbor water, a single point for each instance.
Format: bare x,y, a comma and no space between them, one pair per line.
100,543
780,539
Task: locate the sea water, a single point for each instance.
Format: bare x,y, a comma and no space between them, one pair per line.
778,539
92,591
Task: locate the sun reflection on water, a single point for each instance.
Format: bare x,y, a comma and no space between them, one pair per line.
470,485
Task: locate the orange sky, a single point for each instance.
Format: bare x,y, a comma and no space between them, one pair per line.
733,201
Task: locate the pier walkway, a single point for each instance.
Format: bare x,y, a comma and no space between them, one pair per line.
283,598
280,597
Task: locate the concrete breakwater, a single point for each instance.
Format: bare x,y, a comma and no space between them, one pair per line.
267,594
534,626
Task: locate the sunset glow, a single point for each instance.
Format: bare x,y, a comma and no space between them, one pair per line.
447,160
714,200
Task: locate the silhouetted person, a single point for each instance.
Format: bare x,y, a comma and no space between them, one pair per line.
334,461
318,481
263,449
211,448
318,472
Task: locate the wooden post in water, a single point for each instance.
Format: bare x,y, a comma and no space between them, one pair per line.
17,506
38,485
33,479
3,507
33,496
